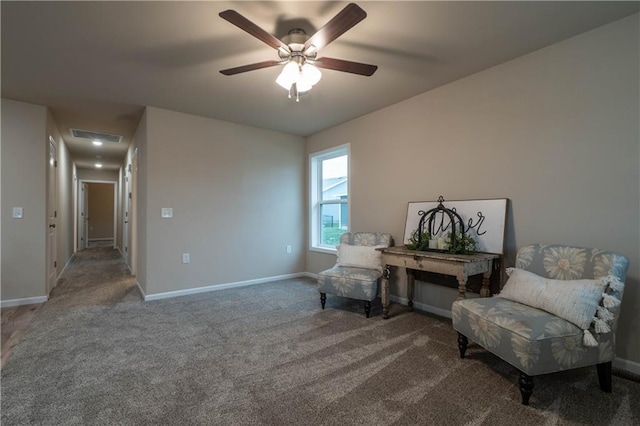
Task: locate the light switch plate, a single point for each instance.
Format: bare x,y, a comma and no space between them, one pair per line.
166,212
17,213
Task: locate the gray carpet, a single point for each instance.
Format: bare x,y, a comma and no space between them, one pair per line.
267,354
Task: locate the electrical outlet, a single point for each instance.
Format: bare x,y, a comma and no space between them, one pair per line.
288,249
166,212
186,258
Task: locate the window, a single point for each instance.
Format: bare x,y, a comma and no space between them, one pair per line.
329,178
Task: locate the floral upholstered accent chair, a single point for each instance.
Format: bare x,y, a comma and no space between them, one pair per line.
557,311
358,268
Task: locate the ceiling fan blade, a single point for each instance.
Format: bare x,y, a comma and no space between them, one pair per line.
346,66
244,24
251,67
341,23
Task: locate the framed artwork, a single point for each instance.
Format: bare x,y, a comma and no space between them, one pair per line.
484,220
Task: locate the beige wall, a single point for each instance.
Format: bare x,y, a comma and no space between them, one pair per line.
555,131
139,162
101,219
237,195
25,142
24,147
98,175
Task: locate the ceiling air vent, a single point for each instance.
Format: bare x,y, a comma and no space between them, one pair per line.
104,137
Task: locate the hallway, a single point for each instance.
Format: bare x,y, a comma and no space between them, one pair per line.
93,277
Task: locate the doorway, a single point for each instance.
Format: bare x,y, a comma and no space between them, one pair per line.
97,204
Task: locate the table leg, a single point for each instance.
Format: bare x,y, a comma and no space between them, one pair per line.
411,283
485,291
462,285
385,291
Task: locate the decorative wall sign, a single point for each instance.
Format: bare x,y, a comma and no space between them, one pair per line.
484,220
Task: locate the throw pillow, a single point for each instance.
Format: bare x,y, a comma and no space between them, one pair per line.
577,301
360,256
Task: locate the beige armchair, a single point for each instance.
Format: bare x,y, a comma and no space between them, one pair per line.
358,269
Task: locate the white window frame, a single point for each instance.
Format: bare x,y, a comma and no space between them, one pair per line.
315,191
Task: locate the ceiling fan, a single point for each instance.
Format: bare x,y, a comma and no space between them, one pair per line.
298,52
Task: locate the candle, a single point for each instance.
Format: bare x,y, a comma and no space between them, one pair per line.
443,244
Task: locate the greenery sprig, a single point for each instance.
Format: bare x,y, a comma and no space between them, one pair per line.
464,244
417,243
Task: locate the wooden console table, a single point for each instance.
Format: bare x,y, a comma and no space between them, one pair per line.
460,266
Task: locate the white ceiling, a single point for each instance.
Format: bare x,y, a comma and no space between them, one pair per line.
97,64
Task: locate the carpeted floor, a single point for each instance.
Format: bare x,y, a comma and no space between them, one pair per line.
267,354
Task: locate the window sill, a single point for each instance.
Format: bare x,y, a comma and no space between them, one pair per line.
324,250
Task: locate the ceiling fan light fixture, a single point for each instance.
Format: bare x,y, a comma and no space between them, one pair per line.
289,75
302,87
304,77
310,75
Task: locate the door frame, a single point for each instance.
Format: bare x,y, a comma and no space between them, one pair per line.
125,186
115,209
81,229
133,214
52,214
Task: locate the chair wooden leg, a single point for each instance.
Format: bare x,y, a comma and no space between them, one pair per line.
526,387
367,308
323,299
462,344
604,376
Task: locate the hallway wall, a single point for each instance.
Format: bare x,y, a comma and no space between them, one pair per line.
97,174
23,185
25,140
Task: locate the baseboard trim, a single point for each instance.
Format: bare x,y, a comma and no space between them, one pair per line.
63,269
24,301
626,365
142,293
422,306
215,287
311,275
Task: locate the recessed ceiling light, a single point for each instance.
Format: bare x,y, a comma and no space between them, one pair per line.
98,165
97,143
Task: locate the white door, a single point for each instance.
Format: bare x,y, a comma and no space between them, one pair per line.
52,265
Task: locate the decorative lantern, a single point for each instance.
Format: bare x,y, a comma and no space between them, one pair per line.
438,220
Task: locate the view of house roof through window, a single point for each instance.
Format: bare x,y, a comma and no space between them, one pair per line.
330,195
